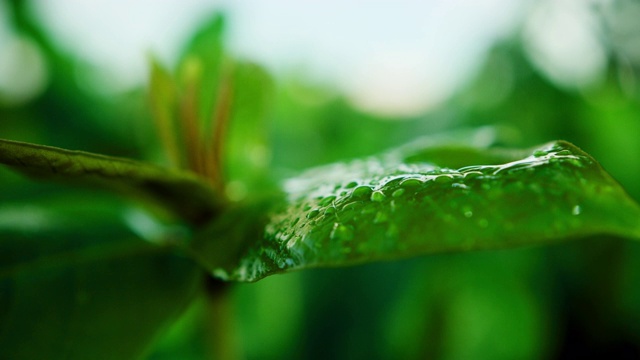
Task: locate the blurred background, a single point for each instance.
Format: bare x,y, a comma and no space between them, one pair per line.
340,80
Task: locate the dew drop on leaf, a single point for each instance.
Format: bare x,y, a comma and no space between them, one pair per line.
472,174
361,192
341,232
313,213
576,210
330,211
327,200
443,179
377,196
398,193
351,185
409,183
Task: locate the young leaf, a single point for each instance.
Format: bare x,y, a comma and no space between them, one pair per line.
180,192
398,205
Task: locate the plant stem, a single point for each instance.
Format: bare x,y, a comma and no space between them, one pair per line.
221,338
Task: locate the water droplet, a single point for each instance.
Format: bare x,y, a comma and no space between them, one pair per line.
539,153
349,207
459,186
468,213
313,213
326,201
408,183
361,191
377,196
330,211
341,232
472,174
351,185
398,193
576,162
576,210
220,273
443,179
393,183
349,211
295,221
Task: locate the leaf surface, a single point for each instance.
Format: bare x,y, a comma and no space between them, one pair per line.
400,205
180,192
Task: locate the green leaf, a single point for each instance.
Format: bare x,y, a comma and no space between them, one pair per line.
398,205
182,193
202,66
163,101
76,283
247,148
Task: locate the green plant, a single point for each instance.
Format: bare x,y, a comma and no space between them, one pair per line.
106,291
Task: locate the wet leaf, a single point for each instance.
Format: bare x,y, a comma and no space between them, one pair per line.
398,205
180,192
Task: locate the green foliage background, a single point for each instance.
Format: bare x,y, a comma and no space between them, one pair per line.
575,299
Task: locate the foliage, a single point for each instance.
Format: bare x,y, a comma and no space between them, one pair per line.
85,274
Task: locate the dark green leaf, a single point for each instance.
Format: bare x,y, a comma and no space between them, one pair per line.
398,205
76,283
180,192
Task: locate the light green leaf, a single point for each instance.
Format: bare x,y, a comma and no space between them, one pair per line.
247,149
398,205
76,283
182,193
